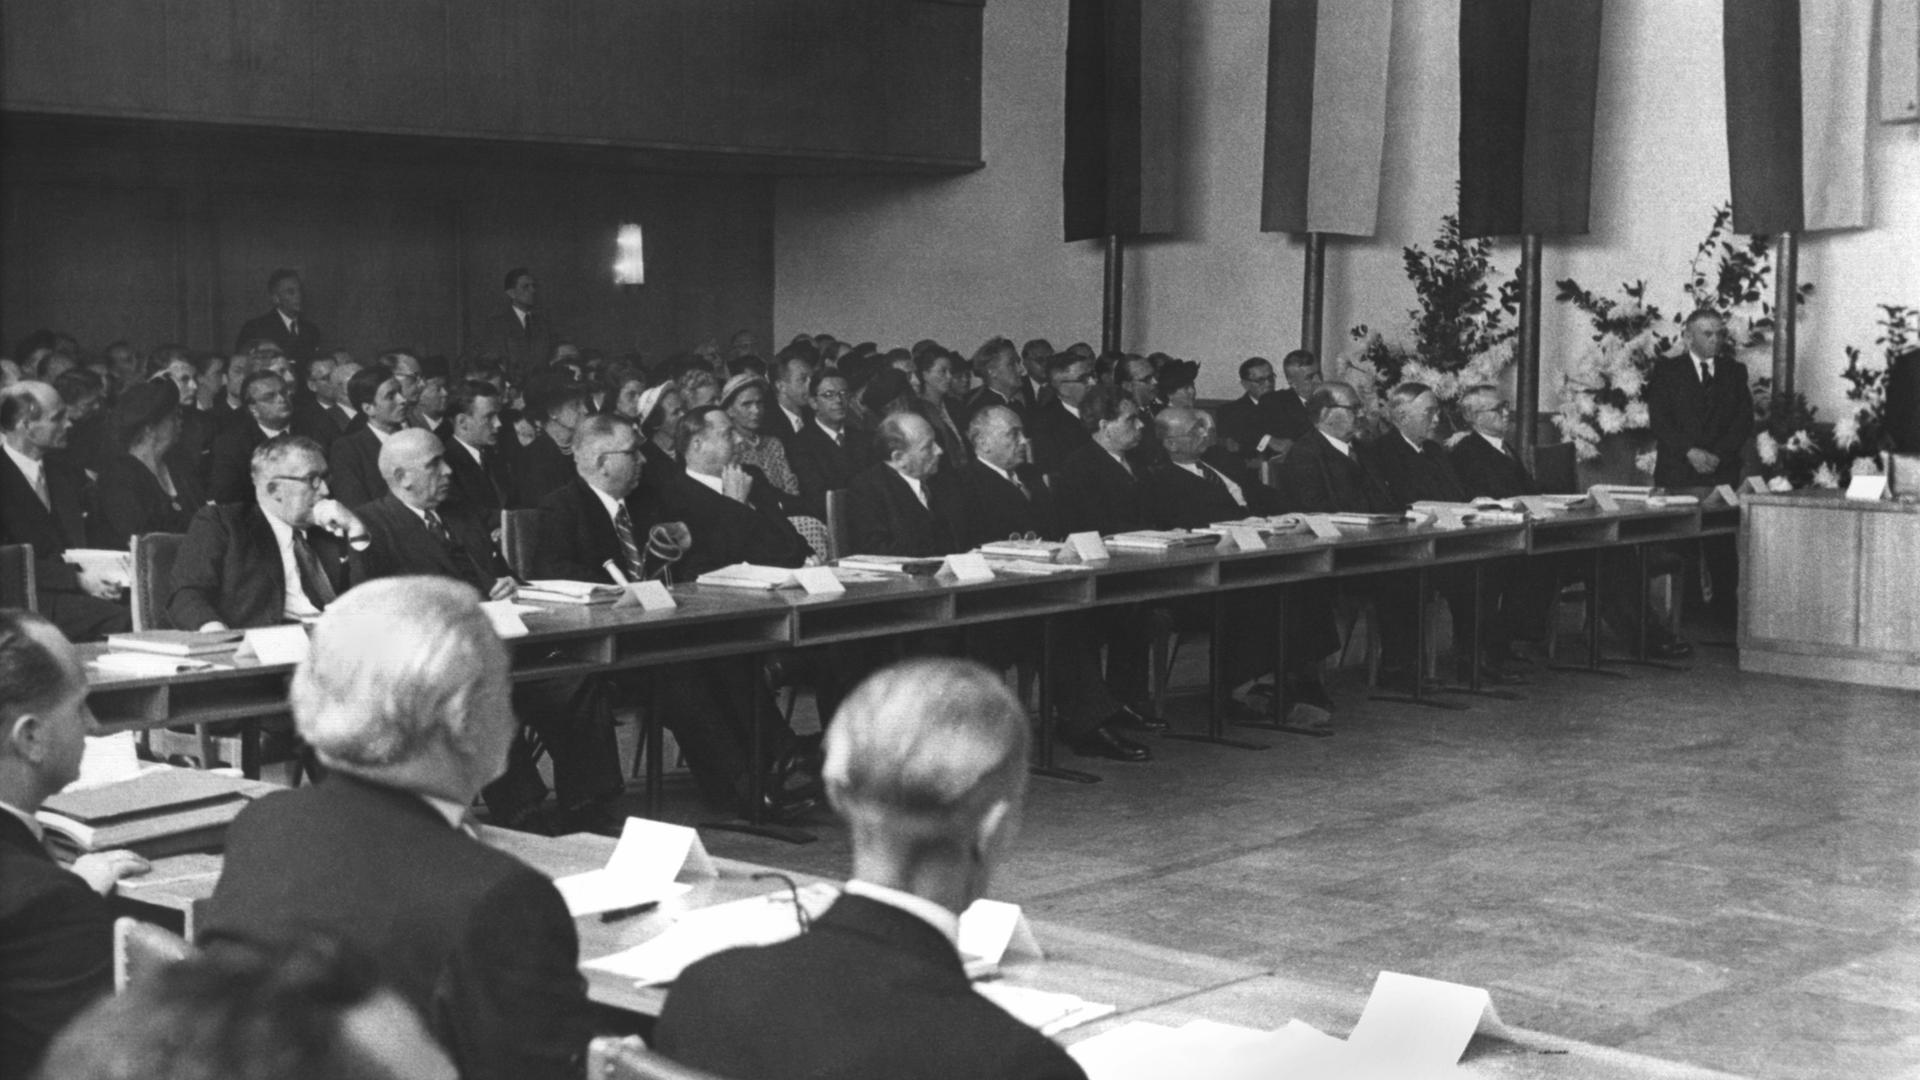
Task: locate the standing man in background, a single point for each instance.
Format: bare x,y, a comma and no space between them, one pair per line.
519,334
285,326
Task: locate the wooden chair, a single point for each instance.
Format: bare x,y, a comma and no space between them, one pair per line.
18,589
815,533
614,1058
518,528
839,523
140,949
153,555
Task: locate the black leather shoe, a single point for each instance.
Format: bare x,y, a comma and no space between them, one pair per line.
593,817
1130,717
780,809
1670,650
1103,743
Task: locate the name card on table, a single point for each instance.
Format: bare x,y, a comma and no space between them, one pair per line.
1604,501
642,869
1756,485
1538,506
647,596
968,567
1246,538
1868,488
505,617
992,931
1727,494
1323,526
278,644
1089,547
1450,519
1421,1025
1418,518
819,581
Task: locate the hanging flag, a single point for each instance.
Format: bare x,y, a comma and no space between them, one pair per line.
1122,124
1326,115
1797,113
1529,71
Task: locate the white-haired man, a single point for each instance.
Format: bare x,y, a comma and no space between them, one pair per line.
927,762
404,698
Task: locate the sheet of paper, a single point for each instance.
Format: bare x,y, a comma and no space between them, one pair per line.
1756,484
1323,526
1421,1023
1089,546
278,644
108,759
970,566
1870,488
596,891
1246,538
1417,518
1450,519
505,617
656,851
993,931
1604,501
819,581
757,920
1727,494
1045,1011
650,596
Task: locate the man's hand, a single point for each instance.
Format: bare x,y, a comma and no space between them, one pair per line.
341,522
503,589
1703,461
103,869
735,484
211,627
95,586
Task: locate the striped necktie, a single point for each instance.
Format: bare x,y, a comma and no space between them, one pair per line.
629,551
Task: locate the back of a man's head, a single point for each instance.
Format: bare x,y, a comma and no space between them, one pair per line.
305,1011
919,757
402,669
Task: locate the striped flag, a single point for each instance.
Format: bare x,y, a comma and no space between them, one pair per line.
1122,129
1529,70
1797,113
1326,115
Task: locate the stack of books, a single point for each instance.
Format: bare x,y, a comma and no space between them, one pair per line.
1035,550
750,576
892,564
162,812
176,642
1365,520
553,591
1161,539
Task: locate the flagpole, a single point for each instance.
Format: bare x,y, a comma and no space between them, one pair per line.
1526,382
1313,296
1786,314
1111,298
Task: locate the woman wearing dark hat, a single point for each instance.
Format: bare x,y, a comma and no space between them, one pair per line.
745,399
137,492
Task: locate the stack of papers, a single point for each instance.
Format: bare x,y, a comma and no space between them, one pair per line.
891,564
1044,1010
176,642
555,591
155,813
110,566
641,870
1037,550
1161,539
750,576
1364,519
149,664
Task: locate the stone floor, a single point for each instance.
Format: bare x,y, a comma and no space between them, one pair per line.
1711,867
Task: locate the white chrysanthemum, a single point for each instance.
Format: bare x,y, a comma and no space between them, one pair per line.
1588,406
1637,414
1768,449
1629,381
1779,483
1800,442
1646,462
1825,477
1612,420
1453,440
1846,432
1866,466
1585,449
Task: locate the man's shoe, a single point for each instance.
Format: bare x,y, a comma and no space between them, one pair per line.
780,809
1130,717
1670,650
1103,743
593,817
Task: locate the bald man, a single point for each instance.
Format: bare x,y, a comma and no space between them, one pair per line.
898,506
415,532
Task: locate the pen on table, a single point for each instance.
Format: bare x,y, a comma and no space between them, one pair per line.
628,912
613,569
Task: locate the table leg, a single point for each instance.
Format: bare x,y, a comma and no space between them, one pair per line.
1217,688
1419,695
1043,764
1473,665
1592,666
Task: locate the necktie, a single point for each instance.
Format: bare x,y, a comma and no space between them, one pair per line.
437,527
1025,492
629,551
313,580
1213,478
293,328
40,488
1706,373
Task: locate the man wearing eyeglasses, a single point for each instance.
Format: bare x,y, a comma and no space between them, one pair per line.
826,453
270,410
282,558
1055,427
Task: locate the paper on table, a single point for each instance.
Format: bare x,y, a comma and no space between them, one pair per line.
1089,546
1727,494
969,566
819,581
1322,526
757,920
1872,488
1203,1048
647,596
505,617
107,759
1422,1023
993,931
1603,499
127,663
1246,538
1045,1011
278,644
596,891
642,868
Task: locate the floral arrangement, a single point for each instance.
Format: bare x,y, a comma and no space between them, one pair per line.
1859,433
1462,334
1601,389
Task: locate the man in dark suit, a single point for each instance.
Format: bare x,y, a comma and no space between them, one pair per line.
896,505
1701,412
1194,487
826,453
928,831
285,326
996,363
482,483
281,558
1036,364
1300,370
56,934
792,379
404,698
230,462
519,334
1055,427
1002,495
414,529
41,504
1101,487
377,395
1323,474
732,513
1247,427
313,413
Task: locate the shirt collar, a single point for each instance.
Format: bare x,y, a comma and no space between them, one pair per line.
455,813
1070,408
1004,474
836,436
1499,443
32,823
1699,360
282,532
612,504
286,320
1417,448
1338,444
920,907
712,483
794,418
472,450
918,491
30,467
383,436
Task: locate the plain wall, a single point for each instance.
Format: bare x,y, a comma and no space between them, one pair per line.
961,258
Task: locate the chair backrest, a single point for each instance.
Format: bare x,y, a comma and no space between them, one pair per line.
17,586
1553,468
815,533
517,531
839,523
1270,472
141,948
153,555
627,1058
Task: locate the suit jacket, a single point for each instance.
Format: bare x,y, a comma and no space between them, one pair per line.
1056,435
24,519
1412,475
230,463
482,489
228,569
1486,471
1096,493
777,424
353,468
317,421
1181,500
272,328
993,509
870,993
191,450
521,349
402,544
128,500
538,469
56,948
888,519
1244,422
821,465
986,396
1687,416
727,532
1318,479
479,943
576,534
1287,414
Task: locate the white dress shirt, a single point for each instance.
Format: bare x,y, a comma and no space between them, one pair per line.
1201,469
712,482
34,470
1338,444
295,606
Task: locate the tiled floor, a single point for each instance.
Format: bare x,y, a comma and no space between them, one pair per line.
1717,868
